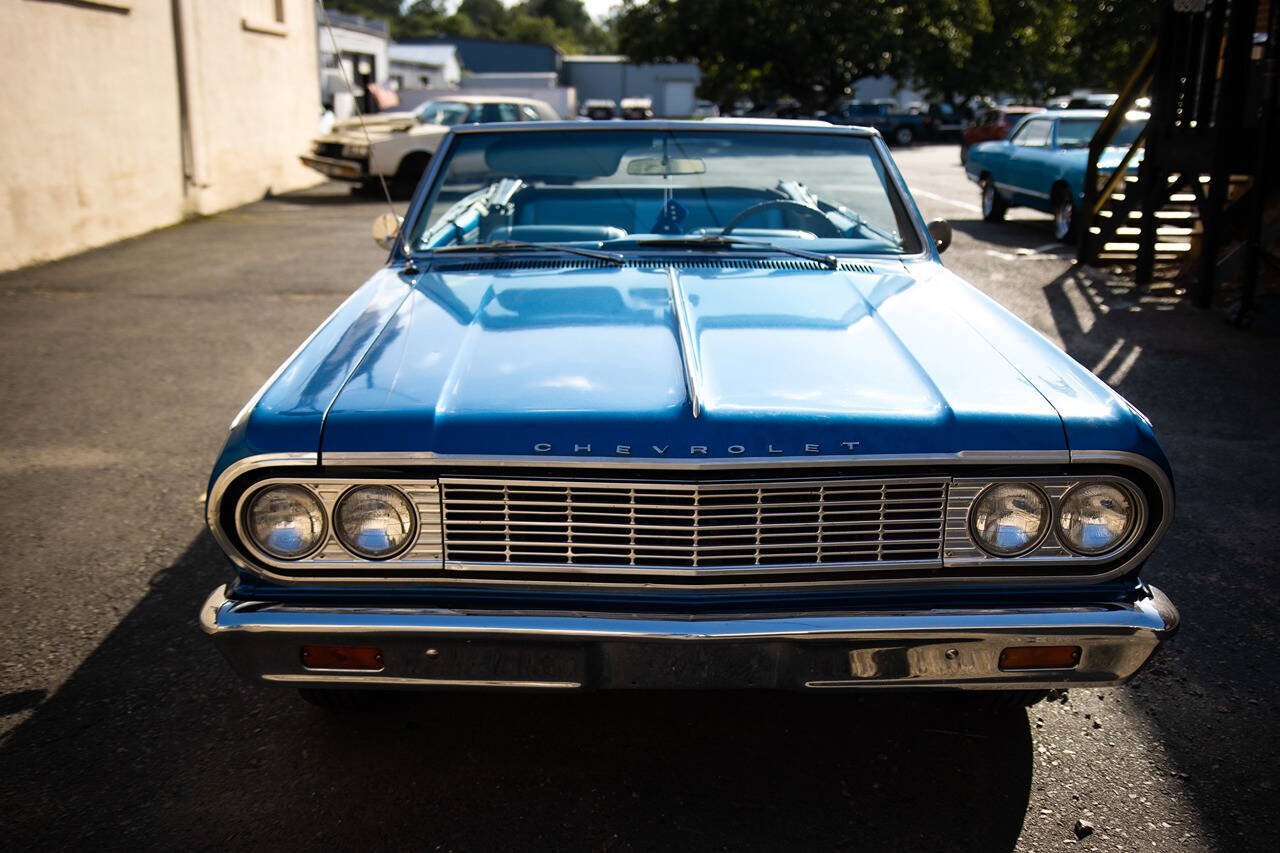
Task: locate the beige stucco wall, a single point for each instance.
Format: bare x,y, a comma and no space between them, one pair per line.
91,147
254,100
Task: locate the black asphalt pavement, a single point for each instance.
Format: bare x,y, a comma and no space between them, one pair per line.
121,727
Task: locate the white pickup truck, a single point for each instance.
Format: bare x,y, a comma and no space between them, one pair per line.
399,145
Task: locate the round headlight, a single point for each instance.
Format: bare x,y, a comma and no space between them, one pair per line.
1009,519
286,521
375,522
1095,517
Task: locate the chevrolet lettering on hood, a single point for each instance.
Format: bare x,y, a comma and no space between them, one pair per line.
668,404
694,449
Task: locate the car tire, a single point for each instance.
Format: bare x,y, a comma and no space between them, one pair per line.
409,173
964,154
904,135
342,701
368,188
993,206
1064,216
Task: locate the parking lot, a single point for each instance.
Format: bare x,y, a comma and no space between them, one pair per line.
120,726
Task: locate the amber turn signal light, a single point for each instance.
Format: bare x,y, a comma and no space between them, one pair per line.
341,657
1040,657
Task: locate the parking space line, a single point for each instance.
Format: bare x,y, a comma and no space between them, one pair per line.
963,205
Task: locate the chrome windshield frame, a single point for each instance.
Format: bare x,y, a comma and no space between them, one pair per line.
896,186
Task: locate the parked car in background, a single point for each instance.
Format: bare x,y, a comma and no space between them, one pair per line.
786,108
1082,99
600,109
399,146
947,121
1042,164
636,108
682,404
993,124
705,109
898,126
1092,101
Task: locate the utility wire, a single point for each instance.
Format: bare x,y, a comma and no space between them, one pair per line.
386,193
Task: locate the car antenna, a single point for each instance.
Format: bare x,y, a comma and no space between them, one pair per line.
409,267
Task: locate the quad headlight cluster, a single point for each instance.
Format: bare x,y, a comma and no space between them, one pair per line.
289,522
1090,519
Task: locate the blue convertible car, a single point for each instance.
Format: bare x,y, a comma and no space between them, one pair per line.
1042,164
682,404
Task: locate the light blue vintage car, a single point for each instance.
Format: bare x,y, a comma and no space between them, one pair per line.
1041,164
682,404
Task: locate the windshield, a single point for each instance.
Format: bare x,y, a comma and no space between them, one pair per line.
617,189
443,112
1076,132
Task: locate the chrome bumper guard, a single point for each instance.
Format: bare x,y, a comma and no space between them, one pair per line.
424,647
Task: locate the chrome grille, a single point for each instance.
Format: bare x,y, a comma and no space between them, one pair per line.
692,529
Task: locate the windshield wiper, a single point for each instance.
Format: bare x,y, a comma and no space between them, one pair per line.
715,241
508,245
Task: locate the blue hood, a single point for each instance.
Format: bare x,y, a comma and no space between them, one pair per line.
788,362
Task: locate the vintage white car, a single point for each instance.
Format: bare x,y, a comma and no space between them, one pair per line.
399,145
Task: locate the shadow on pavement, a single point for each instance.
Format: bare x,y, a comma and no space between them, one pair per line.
1209,390
1014,234
154,742
332,194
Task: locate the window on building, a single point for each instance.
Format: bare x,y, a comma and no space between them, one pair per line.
263,16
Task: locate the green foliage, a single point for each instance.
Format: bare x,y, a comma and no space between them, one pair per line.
815,50
812,51
563,23
1107,39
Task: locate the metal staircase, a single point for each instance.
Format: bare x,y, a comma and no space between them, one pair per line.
1195,188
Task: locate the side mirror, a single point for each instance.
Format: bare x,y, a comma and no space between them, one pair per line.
939,230
385,230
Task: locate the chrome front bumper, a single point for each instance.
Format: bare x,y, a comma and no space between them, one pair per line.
424,647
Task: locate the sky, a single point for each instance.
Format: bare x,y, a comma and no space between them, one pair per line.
599,8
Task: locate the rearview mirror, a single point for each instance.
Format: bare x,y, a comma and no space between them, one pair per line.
940,231
385,230
666,166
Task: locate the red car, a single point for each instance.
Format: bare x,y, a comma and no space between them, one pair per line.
994,123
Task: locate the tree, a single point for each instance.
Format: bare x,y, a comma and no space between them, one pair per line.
1107,39
574,26
488,16
813,51
957,50
953,50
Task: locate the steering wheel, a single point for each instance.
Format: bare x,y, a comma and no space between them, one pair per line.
826,228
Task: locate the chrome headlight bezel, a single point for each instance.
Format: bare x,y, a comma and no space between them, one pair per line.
1135,514
334,560
355,550
964,547
307,494
1049,517
355,150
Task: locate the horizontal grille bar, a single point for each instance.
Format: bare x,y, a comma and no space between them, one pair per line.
543,526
